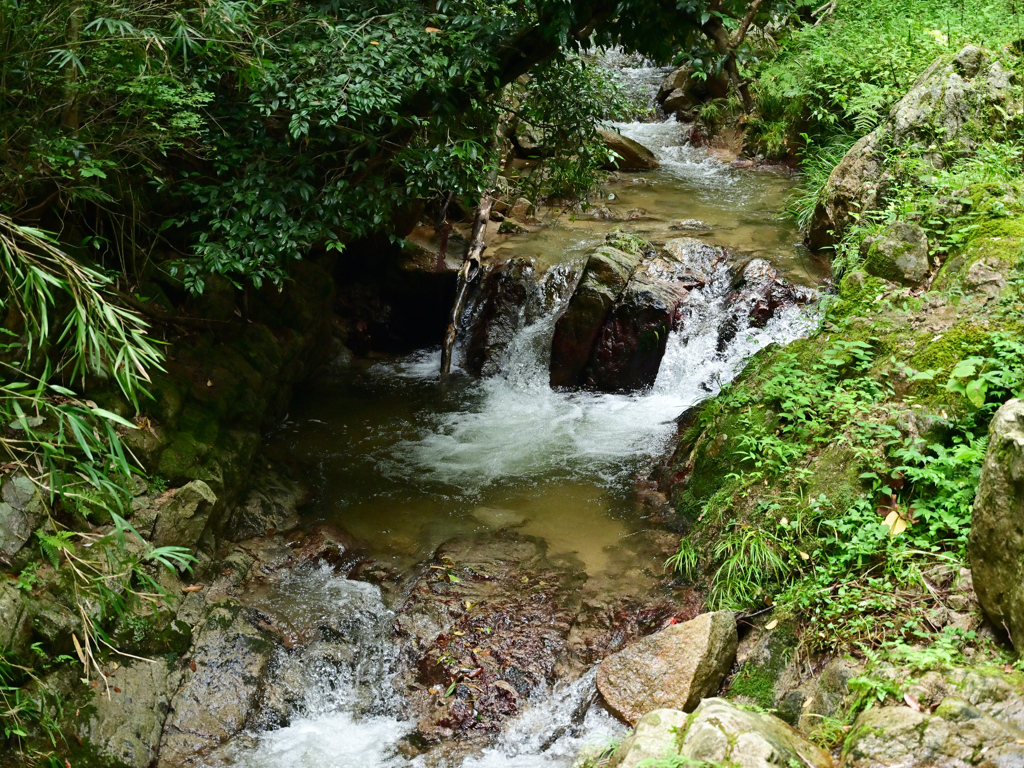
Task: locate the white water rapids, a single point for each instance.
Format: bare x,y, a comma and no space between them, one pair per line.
507,428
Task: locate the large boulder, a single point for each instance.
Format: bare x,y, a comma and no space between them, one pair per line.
22,510
996,544
959,99
502,301
956,735
613,333
604,279
627,352
181,519
721,733
15,618
674,668
630,155
220,687
718,733
270,504
654,738
899,254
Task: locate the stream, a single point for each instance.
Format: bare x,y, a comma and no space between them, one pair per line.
405,463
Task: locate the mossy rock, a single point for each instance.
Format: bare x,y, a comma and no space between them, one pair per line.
899,254
760,678
983,267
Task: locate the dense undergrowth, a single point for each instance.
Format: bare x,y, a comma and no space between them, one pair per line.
835,479
825,84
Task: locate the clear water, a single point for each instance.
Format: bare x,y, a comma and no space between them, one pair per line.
405,463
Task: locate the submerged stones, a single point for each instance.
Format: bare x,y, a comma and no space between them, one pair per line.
484,625
674,668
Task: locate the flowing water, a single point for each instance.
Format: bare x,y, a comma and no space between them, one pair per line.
405,462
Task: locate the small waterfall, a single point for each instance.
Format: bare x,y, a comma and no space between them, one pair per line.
441,449
514,426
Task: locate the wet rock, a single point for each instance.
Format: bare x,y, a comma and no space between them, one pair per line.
22,510
697,261
899,254
499,307
324,543
521,210
956,735
332,629
654,738
673,668
484,626
693,226
604,279
613,334
945,101
128,712
630,155
271,504
723,734
996,544
511,227
758,295
217,696
628,350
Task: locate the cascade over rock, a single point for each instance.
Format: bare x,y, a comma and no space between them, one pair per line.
613,333
604,279
681,93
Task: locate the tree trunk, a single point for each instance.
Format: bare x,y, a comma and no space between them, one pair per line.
74,36
469,271
727,44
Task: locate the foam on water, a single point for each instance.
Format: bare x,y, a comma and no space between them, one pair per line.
505,429
516,427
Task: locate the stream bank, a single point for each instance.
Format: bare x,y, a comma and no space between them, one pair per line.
415,496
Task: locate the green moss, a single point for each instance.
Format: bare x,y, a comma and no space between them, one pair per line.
883,266
858,295
756,680
836,475
962,340
998,239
